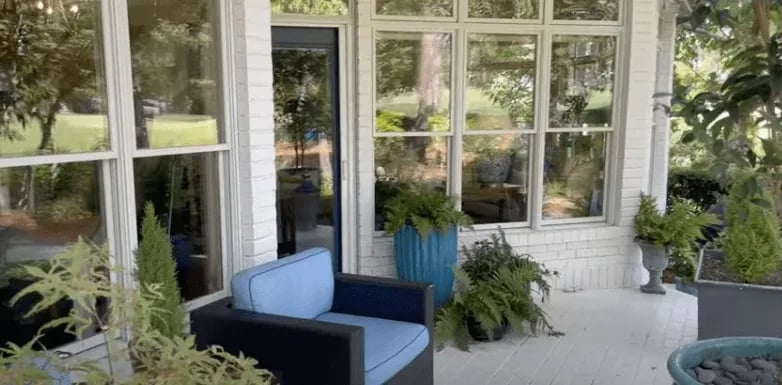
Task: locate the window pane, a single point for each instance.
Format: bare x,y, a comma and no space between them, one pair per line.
185,192
586,10
402,162
413,81
423,8
311,7
495,177
43,209
582,81
574,169
175,57
52,84
504,9
501,82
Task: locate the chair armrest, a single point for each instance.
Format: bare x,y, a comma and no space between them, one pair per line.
298,351
384,298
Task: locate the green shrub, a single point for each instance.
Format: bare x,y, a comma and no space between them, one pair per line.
751,242
156,266
679,228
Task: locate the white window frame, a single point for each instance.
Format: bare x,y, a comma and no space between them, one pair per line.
461,28
116,164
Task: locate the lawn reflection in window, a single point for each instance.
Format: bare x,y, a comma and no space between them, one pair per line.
574,169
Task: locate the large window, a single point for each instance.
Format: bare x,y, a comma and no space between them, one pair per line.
73,164
529,142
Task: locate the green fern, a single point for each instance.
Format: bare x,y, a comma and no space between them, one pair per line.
424,209
495,287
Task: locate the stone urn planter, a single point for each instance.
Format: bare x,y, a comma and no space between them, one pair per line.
655,260
735,309
494,169
725,361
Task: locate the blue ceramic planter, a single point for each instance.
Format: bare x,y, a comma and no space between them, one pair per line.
427,260
693,355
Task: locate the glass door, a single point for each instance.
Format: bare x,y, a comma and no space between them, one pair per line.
306,114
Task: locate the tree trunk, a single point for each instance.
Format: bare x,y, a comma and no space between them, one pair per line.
142,134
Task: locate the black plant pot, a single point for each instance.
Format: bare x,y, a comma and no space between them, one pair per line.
479,333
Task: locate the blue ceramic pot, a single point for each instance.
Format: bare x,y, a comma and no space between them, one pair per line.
427,260
690,356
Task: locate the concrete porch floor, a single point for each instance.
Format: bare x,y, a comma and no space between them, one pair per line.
613,337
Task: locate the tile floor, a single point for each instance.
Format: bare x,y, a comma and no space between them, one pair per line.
613,337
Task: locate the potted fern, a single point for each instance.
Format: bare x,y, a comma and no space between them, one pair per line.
660,235
495,289
425,224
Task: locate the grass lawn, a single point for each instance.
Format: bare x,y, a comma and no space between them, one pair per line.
74,133
490,115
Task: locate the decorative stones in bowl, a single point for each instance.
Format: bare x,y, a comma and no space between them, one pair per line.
728,361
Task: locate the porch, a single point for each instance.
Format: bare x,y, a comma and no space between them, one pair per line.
612,337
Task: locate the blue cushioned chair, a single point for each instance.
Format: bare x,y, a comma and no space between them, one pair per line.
313,327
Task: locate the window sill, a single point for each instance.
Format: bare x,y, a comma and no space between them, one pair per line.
521,228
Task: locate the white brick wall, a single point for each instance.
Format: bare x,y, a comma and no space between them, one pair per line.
586,256
254,99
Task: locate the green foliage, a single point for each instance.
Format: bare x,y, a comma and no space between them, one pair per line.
495,286
752,240
697,186
389,121
156,266
679,228
424,209
310,7
729,121
82,275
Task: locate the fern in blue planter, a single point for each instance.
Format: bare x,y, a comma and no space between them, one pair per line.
425,225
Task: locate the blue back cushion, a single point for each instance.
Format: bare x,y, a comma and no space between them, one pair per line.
300,286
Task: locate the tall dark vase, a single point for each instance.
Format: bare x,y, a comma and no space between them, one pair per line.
427,260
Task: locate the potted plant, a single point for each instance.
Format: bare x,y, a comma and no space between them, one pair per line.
424,224
740,282
495,290
659,235
82,274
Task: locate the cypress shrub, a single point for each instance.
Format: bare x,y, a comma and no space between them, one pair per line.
155,265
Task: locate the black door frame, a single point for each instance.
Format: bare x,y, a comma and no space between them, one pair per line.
323,38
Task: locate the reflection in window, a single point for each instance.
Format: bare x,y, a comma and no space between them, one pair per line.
52,91
413,82
574,168
174,46
501,82
42,210
586,10
422,8
504,9
311,7
184,191
495,178
582,81
402,162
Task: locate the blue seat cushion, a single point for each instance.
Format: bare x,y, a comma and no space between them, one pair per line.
389,345
300,286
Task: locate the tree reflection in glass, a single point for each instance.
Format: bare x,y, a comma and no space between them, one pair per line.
600,10
582,81
504,9
574,168
422,8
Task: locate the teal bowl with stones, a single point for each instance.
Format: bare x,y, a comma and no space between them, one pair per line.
690,356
